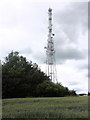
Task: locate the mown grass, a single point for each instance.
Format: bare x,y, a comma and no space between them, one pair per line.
59,107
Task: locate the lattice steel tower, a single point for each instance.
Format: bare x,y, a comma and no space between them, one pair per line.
50,52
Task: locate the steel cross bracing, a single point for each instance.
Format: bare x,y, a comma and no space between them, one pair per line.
50,52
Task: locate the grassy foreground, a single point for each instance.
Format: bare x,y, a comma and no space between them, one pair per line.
56,107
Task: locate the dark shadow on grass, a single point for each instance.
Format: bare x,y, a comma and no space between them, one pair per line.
45,119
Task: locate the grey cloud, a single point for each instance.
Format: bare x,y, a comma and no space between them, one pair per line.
26,51
68,20
63,53
73,18
8,15
72,83
88,75
88,15
68,53
37,56
84,66
68,24
40,57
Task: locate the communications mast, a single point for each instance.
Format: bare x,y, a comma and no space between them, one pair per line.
50,52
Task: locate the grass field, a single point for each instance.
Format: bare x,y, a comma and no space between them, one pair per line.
59,107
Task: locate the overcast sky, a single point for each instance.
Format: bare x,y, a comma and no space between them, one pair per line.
24,28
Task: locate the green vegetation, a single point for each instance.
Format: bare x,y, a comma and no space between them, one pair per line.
54,107
21,78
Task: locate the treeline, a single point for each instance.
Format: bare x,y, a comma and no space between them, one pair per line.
22,78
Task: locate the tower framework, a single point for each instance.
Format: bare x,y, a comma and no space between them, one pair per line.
50,51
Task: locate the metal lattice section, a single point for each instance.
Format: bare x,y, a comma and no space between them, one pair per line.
50,52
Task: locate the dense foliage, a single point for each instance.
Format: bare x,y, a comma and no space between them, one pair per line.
21,78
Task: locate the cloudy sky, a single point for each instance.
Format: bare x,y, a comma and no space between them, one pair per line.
24,28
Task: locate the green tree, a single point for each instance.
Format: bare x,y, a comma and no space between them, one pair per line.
50,89
20,77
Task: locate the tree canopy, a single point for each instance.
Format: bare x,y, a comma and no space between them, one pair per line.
22,78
